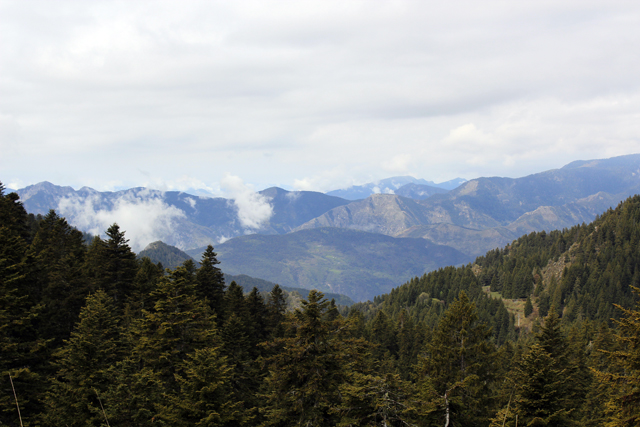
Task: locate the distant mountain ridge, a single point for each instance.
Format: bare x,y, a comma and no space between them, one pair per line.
198,221
511,207
391,186
477,216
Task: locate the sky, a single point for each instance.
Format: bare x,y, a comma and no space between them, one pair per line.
311,95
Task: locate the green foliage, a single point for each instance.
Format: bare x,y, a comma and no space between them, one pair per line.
455,372
178,324
22,350
624,405
83,364
205,396
308,366
371,400
111,265
89,334
58,280
540,384
528,307
210,282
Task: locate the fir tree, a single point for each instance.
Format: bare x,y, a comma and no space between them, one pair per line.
276,308
567,359
58,251
528,307
83,364
205,396
112,266
22,351
624,407
371,400
210,282
539,399
455,372
305,374
177,325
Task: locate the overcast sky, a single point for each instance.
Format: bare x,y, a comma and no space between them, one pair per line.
311,95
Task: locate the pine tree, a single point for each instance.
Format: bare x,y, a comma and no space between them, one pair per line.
276,308
372,400
22,351
210,282
528,307
383,334
234,302
604,369
569,360
258,319
83,364
165,336
178,324
312,361
408,345
111,265
205,396
144,284
455,372
58,251
538,400
624,407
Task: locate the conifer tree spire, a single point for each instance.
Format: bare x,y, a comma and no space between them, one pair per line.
210,281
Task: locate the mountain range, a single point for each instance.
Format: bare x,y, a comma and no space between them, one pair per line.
407,186
459,223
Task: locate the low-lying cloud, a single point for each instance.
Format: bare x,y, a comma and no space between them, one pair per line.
253,208
144,217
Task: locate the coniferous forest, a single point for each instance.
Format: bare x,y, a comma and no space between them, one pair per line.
92,336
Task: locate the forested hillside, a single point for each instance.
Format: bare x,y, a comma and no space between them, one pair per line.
92,336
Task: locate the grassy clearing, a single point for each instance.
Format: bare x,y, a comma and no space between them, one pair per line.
515,307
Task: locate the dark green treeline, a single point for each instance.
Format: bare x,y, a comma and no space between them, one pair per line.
90,336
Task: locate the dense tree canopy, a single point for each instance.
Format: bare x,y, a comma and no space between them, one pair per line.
90,336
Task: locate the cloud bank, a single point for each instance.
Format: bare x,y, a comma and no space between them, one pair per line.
144,218
253,208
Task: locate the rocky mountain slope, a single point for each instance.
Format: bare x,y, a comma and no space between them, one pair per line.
486,213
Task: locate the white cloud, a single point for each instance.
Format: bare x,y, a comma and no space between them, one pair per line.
397,164
144,218
326,180
253,208
293,195
283,92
